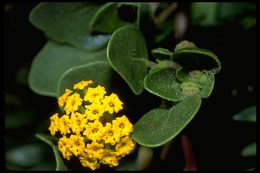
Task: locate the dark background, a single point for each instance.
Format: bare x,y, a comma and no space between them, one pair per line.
216,138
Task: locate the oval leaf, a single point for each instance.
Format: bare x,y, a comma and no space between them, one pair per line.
159,126
100,72
106,19
248,114
22,156
60,166
68,23
127,55
52,61
197,58
249,150
163,83
161,53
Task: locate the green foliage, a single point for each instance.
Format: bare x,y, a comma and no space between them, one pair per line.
60,166
249,150
248,115
86,72
161,53
106,19
22,156
163,83
52,61
68,23
197,58
126,53
80,47
159,126
214,13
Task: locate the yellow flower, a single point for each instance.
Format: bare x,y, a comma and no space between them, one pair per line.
82,84
63,146
109,158
93,130
125,146
78,122
87,129
123,125
95,94
110,134
77,144
72,103
112,103
54,124
89,162
64,125
95,150
62,99
94,111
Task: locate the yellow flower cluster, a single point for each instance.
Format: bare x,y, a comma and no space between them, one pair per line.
89,128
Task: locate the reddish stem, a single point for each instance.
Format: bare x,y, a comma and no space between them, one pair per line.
190,164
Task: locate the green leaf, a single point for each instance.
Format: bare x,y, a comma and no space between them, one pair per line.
106,19
159,126
204,14
100,72
127,55
26,155
128,165
196,58
69,23
248,114
60,166
249,150
161,53
230,11
163,83
52,61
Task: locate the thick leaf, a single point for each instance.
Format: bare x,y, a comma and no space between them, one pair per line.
196,58
106,19
60,166
161,53
249,150
129,165
68,23
27,155
100,72
163,83
248,114
52,61
127,55
159,126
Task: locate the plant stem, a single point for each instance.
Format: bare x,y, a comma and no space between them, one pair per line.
190,164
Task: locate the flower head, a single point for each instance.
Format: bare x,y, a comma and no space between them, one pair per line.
87,130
